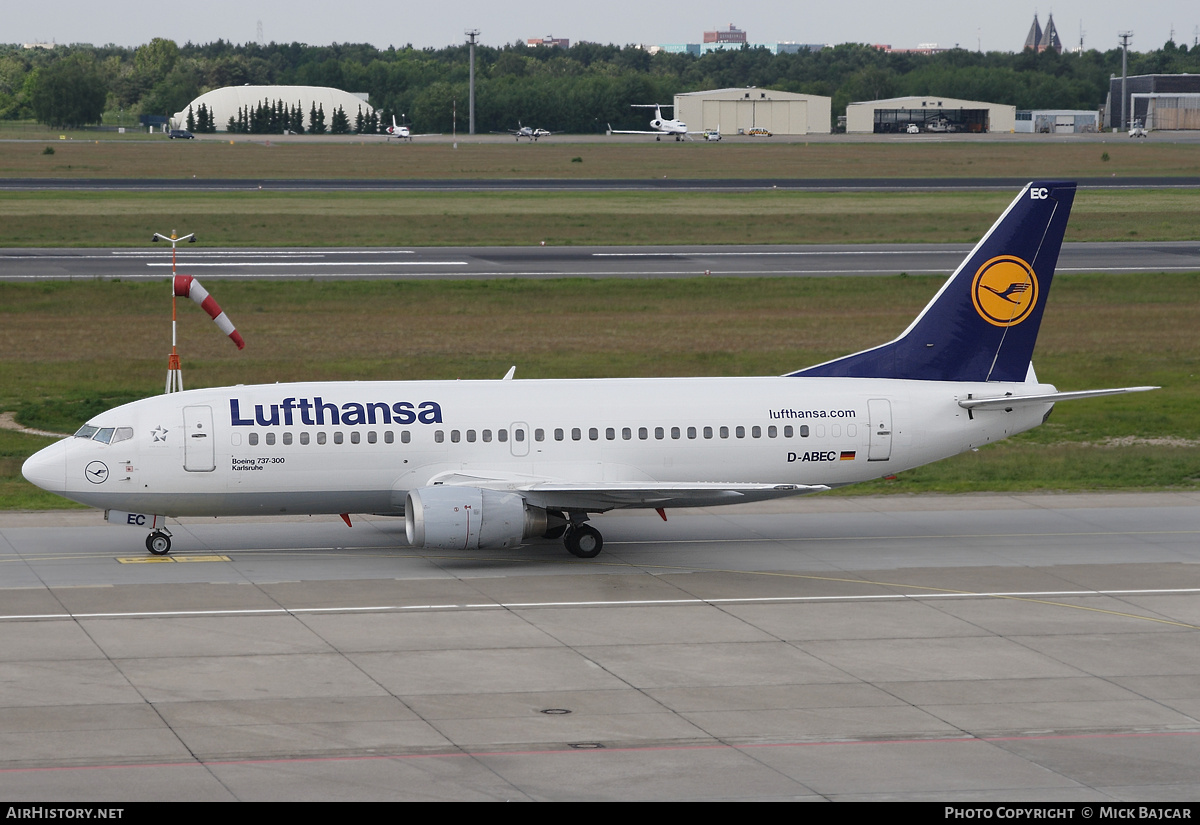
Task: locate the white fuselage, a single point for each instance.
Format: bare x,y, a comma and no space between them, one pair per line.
355,447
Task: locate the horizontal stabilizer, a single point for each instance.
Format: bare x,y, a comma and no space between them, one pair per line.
1009,401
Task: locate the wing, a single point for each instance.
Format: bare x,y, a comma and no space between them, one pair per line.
599,496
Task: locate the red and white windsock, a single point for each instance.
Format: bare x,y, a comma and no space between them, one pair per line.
189,287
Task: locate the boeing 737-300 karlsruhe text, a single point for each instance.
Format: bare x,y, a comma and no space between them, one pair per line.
490,464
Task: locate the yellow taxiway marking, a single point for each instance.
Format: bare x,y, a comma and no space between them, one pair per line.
167,559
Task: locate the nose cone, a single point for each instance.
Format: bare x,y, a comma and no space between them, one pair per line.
48,468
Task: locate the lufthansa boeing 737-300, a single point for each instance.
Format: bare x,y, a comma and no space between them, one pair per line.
489,464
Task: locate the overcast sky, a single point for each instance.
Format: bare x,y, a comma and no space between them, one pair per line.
971,24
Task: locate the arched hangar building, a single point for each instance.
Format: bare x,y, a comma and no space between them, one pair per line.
929,114
225,102
739,110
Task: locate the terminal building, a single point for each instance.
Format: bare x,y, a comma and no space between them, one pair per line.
738,110
225,103
929,114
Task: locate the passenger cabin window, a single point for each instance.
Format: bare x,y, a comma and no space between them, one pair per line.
252,439
389,437
487,436
691,432
271,439
593,434
576,434
518,434
708,432
355,437
405,436
439,436
610,433
558,434
303,438
337,438
539,435
287,438
320,438
502,436
372,437
470,436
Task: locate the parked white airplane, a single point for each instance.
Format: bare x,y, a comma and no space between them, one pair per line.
402,132
488,464
658,126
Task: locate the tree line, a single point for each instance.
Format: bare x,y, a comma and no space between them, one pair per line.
581,89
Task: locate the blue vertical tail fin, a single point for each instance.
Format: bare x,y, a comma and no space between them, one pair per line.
983,323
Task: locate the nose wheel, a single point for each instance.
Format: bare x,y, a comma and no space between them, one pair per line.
159,543
584,541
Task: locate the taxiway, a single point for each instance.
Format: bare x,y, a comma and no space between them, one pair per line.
995,647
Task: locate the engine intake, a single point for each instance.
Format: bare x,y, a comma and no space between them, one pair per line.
469,518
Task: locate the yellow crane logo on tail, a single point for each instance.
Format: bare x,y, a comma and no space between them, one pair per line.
1004,291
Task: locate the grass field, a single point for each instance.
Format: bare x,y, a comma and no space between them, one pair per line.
97,219
67,350
353,158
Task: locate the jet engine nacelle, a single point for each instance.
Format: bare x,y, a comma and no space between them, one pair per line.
468,518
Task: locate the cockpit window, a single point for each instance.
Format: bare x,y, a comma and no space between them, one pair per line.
105,435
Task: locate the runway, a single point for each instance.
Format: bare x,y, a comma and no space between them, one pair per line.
18,265
1001,647
698,185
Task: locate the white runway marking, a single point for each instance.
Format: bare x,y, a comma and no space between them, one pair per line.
914,596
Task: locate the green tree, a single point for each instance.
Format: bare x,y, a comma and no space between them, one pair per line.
69,92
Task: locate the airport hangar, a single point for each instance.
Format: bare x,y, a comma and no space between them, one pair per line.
225,102
738,110
929,113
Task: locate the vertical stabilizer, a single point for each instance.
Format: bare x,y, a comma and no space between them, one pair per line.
983,323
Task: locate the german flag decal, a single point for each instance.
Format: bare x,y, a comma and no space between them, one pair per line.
847,455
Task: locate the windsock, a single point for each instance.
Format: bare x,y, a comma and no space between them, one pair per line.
189,287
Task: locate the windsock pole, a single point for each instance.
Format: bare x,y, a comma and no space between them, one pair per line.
174,371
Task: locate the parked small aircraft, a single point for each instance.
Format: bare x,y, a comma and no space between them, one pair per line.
658,126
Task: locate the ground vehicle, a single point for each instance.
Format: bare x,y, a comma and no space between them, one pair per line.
913,129
758,132
180,134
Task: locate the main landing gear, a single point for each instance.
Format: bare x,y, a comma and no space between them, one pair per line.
159,542
584,541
